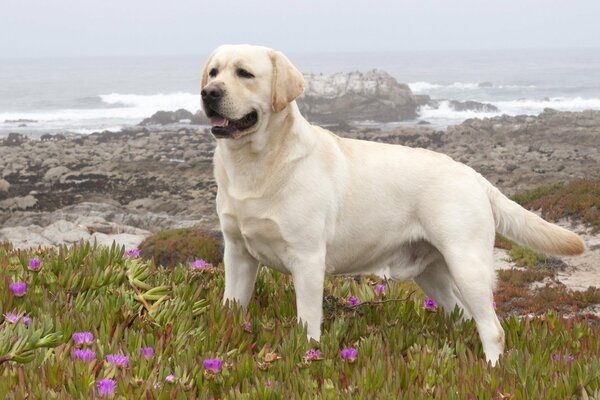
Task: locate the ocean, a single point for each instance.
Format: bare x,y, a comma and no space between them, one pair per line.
85,95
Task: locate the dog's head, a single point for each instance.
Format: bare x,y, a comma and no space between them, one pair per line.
243,86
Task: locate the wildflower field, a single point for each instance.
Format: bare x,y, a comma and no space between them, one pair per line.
98,322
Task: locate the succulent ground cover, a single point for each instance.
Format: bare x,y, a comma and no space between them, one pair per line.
98,322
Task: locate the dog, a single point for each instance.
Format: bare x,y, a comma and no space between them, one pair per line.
303,201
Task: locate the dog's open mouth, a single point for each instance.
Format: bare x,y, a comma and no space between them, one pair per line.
223,127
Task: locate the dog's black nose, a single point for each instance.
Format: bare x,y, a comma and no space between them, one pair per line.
211,93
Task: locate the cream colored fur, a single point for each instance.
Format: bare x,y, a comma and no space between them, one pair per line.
301,200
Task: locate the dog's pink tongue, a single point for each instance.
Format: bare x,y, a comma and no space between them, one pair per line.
217,121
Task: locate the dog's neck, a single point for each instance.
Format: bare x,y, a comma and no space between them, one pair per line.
241,163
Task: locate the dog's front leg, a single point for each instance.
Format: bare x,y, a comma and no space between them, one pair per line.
308,284
240,272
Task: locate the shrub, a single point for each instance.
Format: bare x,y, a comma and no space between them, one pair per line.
171,247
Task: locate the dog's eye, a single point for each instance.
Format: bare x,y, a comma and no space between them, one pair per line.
213,72
242,73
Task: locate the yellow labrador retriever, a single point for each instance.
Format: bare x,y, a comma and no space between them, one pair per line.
301,200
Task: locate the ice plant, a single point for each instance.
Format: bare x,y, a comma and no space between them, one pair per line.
147,352
35,264
379,289
201,264
313,355
83,338
353,301
18,288
213,365
430,304
106,387
349,354
85,355
118,360
133,253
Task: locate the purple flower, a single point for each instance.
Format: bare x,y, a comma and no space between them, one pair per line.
268,384
353,301
18,288
26,321
147,352
379,289
12,317
170,378
313,355
494,304
85,355
247,325
156,385
201,264
83,338
430,304
213,365
555,357
106,387
570,359
133,253
118,360
349,354
35,264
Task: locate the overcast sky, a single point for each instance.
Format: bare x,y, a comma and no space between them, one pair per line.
57,28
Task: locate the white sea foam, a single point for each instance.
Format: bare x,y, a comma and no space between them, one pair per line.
422,87
445,114
124,108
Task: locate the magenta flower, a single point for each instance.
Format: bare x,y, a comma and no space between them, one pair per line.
11,317
349,354
353,301
313,355
247,326
430,304
18,288
170,378
106,387
35,264
26,321
213,365
118,360
83,338
379,289
133,253
201,264
147,352
85,355
156,385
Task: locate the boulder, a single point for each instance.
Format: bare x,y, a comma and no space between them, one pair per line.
4,185
167,117
18,203
374,95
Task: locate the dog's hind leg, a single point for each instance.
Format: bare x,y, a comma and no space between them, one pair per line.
473,275
438,284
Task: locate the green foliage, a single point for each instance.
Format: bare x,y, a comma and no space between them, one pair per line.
577,199
404,351
171,247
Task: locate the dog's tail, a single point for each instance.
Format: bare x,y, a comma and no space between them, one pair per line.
526,228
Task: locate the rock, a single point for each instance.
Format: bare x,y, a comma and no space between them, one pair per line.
4,185
56,173
23,237
356,96
127,240
473,106
18,203
65,232
15,139
199,118
167,117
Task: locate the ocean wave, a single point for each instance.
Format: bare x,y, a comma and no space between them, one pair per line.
445,111
423,87
127,107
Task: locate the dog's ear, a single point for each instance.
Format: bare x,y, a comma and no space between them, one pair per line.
205,71
288,82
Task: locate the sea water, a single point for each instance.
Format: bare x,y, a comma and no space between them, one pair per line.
84,95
